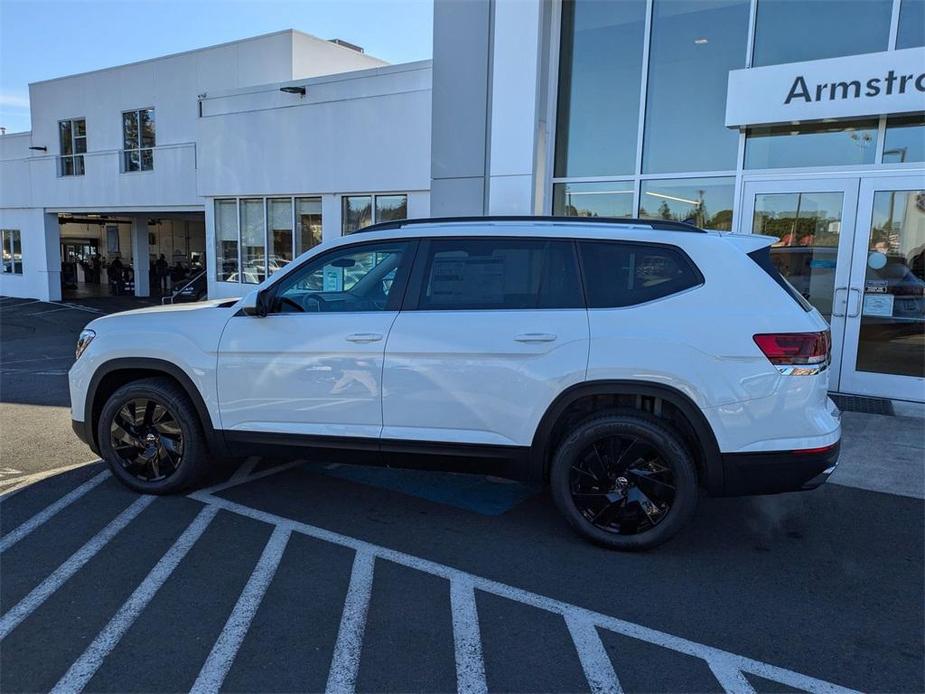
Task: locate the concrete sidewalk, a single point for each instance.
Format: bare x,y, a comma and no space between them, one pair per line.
883,454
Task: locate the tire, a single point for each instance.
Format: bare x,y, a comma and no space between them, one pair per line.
178,441
629,496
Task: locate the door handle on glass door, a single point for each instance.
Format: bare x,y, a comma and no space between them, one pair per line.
860,301
535,337
364,337
835,302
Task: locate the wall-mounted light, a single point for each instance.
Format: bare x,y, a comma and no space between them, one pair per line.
293,90
40,149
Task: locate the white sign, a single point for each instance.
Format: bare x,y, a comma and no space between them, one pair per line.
878,305
856,85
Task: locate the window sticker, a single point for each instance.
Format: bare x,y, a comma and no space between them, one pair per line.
878,305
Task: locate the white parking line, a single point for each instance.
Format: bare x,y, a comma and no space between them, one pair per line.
20,483
229,641
342,677
41,593
19,533
470,666
594,659
731,679
83,669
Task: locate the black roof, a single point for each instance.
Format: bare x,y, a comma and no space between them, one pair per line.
659,224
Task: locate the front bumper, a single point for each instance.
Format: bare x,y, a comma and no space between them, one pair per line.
774,472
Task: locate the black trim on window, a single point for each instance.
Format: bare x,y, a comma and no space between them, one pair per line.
762,258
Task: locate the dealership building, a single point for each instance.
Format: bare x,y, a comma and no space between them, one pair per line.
801,120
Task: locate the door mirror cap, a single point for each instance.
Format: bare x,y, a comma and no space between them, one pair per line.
255,304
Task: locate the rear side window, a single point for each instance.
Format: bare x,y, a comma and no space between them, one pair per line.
623,274
499,273
762,258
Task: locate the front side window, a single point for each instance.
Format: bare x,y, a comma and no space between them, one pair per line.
355,279
138,140
620,274
12,251
492,273
72,136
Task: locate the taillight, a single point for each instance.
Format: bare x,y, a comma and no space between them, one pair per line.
796,349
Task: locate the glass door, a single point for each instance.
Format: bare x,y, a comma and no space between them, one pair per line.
884,352
812,221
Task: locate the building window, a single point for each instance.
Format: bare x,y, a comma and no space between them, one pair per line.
704,202
600,68
308,223
253,241
138,140
279,217
610,199
12,251
904,140
694,45
358,211
911,30
815,144
72,135
226,240
787,31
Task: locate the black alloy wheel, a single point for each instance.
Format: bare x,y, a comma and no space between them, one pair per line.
148,440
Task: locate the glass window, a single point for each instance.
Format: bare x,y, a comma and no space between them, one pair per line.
492,273
72,136
138,140
694,45
811,144
911,30
611,199
807,226
308,223
704,202
253,241
12,251
623,274
790,31
391,207
364,278
226,238
600,69
904,140
892,335
357,212
279,214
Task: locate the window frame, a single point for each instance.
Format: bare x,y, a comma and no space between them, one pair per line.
397,296
136,112
8,234
418,280
74,155
685,258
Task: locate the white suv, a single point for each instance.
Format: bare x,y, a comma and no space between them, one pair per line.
625,363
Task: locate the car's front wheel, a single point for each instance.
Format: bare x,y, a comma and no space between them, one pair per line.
624,481
149,433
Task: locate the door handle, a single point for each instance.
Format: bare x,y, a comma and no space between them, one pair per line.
535,337
835,302
860,302
364,337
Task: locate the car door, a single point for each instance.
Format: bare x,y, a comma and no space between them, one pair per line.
313,365
491,331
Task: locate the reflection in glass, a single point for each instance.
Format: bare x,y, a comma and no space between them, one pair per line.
790,31
911,30
807,226
599,79
694,45
253,243
892,336
704,202
279,213
226,239
814,144
357,212
308,223
391,207
610,199
904,140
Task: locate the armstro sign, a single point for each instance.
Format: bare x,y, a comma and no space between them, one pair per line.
857,85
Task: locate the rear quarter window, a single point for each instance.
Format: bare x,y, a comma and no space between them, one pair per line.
625,274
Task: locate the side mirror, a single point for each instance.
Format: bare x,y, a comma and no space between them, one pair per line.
255,304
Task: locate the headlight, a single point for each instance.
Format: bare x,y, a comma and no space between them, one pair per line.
86,337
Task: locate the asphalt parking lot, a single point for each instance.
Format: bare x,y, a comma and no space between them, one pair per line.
306,576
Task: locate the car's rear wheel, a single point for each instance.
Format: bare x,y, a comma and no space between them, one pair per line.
150,434
624,481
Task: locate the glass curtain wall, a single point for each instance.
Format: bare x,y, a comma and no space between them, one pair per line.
253,241
308,223
226,240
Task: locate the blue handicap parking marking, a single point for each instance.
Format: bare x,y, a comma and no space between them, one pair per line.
488,496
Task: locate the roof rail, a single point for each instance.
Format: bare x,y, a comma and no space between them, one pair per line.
659,224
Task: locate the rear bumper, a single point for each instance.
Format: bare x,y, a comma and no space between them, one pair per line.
773,472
